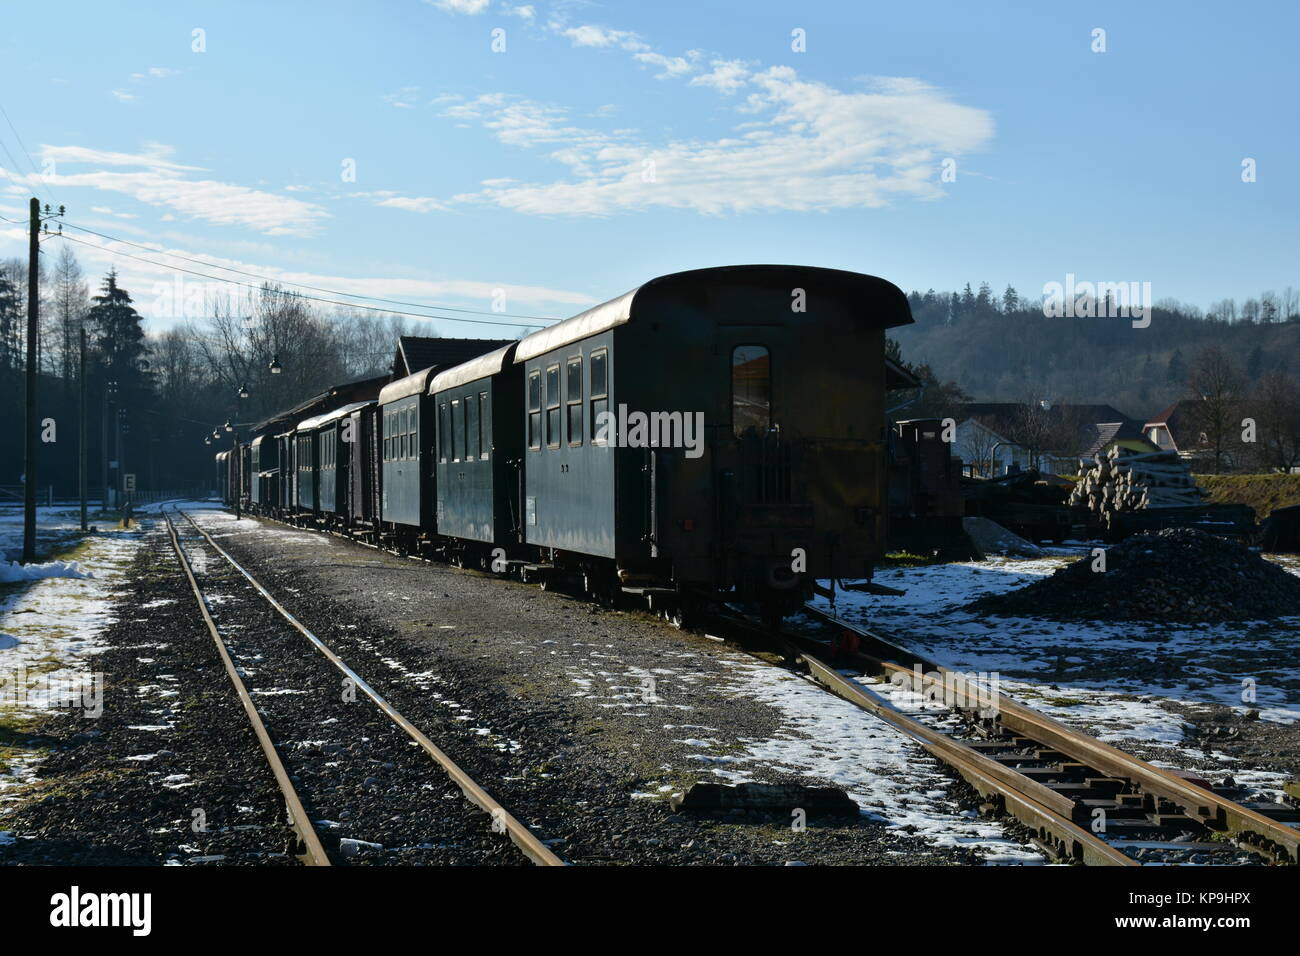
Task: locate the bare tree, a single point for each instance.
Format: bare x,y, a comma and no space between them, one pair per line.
1274,403
69,301
1217,383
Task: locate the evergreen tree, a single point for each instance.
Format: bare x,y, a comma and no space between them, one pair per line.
1255,364
119,340
11,319
984,301
1010,300
1176,370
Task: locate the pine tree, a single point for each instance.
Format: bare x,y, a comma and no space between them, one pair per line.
1176,370
11,318
984,301
1010,300
119,340
968,301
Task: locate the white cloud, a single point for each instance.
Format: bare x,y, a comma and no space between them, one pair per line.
404,98
526,12
158,181
414,203
590,35
727,76
470,7
154,285
809,146
669,65
123,95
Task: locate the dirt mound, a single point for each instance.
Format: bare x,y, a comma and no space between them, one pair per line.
1174,575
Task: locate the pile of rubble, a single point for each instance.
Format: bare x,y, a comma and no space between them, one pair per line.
1179,574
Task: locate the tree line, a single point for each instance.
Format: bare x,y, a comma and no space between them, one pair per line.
160,392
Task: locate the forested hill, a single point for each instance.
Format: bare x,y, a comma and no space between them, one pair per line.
996,353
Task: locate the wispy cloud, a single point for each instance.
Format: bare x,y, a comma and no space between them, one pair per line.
152,177
404,99
153,284
470,7
803,145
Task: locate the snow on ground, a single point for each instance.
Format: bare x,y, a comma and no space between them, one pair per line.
50,625
820,738
1115,680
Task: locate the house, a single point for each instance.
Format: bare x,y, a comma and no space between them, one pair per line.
418,352
1047,436
1108,435
1177,429
986,453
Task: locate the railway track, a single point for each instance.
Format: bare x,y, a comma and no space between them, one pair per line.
311,848
1085,800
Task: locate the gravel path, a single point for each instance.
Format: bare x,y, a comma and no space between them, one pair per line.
170,773
583,720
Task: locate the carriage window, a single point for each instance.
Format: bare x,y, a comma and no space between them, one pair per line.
457,428
444,425
535,410
553,407
484,434
573,398
599,392
462,431
413,443
473,437
751,390
387,439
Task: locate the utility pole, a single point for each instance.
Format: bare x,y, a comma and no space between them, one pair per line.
29,441
81,456
30,436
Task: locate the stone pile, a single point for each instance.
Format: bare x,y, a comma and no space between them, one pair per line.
1177,575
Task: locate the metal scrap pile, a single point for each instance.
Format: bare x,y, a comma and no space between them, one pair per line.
1179,574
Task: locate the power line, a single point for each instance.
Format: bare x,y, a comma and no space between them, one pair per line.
312,298
39,175
303,285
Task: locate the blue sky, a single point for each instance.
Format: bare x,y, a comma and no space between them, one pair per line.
529,170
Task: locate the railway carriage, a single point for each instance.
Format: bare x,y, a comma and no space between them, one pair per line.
709,435
223,476
714,430
307,463
364,469
334,437
478,452
406,432
264,471
288,490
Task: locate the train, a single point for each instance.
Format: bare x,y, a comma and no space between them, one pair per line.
712,435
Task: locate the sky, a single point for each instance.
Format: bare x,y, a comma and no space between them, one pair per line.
530,160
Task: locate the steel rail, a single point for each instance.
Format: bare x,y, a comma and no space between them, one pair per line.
310,850
524,838
1035,805
1258,832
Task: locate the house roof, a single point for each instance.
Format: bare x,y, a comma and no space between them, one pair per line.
1105,433
899,376
1180,420
418,352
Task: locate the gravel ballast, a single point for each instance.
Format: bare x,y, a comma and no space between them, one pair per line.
1179,574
